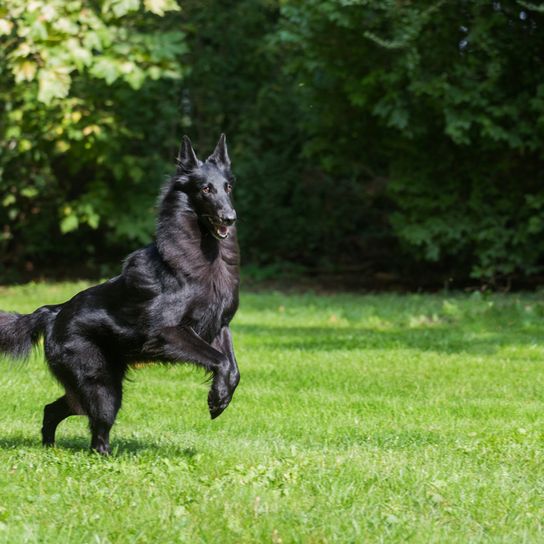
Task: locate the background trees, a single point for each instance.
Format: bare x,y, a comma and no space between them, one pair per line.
393,136
88,108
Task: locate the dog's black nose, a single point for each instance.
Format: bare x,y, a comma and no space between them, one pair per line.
228,218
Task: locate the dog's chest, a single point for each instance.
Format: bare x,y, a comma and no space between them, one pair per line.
206,300
216,301
201,293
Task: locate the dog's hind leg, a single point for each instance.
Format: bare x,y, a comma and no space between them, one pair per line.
53,414
94,388
104,401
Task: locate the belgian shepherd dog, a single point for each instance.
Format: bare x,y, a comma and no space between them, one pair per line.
172,302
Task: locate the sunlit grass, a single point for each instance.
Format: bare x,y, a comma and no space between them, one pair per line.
382,418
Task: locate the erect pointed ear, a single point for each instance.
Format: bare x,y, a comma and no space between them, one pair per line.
187,159
220,156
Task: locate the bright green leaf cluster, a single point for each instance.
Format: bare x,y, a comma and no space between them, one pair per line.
81,88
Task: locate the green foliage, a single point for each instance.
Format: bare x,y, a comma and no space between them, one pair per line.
289,205
354,136
81,123
358,419
441,99
382,135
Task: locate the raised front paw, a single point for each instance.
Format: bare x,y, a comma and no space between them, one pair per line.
219,396
234,380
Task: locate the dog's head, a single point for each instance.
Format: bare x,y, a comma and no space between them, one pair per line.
208,186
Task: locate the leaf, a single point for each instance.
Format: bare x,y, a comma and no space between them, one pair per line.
93,221
91,129
159,7
135,78
92,218
81,56
62,146
5,26
69,223
25,71
54,83
91,40
8,200
121,7
29,192
66,26
105,68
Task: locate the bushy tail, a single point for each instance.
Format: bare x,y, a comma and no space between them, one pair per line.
19,332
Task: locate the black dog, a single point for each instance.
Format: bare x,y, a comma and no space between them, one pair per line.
172,302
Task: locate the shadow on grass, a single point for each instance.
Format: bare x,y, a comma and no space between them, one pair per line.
120,446
439,338
387,439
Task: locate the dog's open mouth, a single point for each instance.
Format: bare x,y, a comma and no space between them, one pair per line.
220,231
217,228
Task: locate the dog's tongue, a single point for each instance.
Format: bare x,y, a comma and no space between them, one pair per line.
222,230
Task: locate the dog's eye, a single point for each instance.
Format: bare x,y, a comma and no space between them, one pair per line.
205,189
228,187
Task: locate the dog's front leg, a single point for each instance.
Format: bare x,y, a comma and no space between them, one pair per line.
223,343
184,344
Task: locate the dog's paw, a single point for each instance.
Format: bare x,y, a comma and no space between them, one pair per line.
216,411
218,398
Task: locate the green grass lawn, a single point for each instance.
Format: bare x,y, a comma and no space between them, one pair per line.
379,418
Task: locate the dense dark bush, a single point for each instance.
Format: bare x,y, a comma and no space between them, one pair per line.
441,105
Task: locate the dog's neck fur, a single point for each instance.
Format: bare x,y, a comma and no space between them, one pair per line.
184,243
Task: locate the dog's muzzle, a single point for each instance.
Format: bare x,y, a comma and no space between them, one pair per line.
219,226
